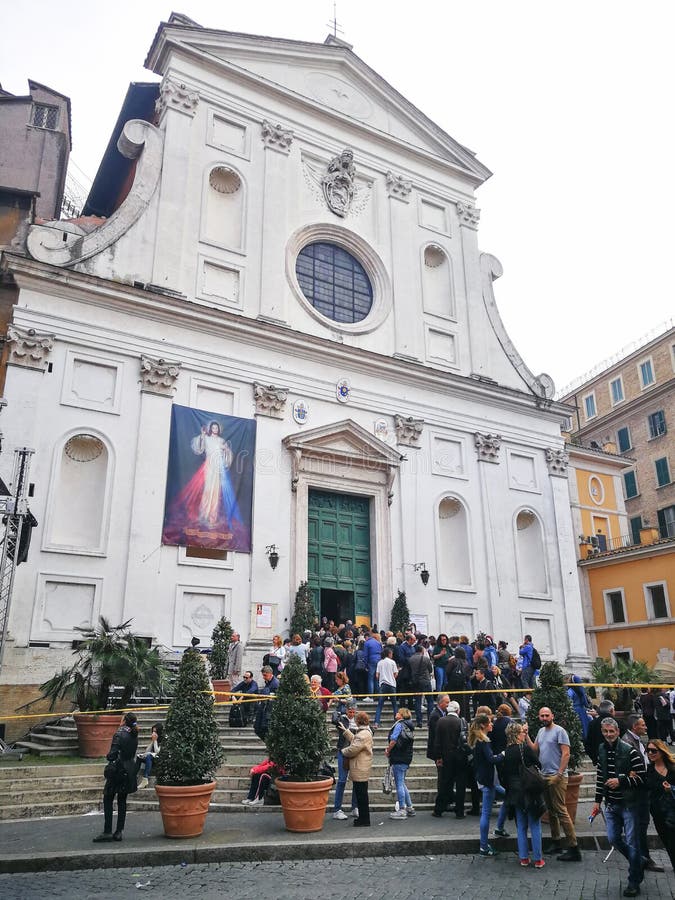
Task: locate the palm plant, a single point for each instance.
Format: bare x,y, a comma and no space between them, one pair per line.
633,671
107,655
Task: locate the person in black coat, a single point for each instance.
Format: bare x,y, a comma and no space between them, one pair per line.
120,777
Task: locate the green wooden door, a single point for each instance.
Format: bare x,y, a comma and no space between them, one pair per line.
338,550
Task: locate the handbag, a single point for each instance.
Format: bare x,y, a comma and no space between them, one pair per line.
388,781
531,779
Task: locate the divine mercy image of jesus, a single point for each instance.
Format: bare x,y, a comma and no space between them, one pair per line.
209,483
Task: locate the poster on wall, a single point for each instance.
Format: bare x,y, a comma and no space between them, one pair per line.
263,615
209,485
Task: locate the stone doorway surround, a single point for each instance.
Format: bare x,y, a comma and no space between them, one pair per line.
344,458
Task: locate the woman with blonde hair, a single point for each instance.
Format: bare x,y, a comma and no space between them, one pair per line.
277,655
661,785
343,691
527,805
484,761
399,751
359,752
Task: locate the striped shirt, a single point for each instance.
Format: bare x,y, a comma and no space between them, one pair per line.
616,795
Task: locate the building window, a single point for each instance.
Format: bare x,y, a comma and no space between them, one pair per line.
589,406
646,371
656,600
630,485
624,656
662,471
616,391
45,116
334,282
623,439
615,607
635,526
666,519
657,424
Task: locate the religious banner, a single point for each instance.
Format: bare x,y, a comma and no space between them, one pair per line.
209,485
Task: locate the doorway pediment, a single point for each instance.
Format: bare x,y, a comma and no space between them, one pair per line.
344,441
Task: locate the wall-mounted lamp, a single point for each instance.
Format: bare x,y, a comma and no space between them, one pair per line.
424,572
273,556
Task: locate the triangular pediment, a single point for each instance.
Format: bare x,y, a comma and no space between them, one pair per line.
328,75
343,440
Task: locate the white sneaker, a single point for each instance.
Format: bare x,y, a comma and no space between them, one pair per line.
410,811
355,813
367,700
143,783
397,806
340,815
259,802
246,802
399,814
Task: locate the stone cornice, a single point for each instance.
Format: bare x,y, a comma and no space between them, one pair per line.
159,307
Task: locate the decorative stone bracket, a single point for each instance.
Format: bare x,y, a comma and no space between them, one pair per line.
28,347
159,376
488,447
274,137
399,187
269,400
408,430
175,95
557,462
469,216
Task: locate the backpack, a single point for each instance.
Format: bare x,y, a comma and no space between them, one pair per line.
315,660
455,680
236,717
361,664
536,659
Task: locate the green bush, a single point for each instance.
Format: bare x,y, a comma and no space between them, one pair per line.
400,615
304,613
552,692
297,738
191,749
220,647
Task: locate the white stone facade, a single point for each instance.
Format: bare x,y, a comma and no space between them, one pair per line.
188,294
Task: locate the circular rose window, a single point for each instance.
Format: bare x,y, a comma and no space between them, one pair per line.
334,282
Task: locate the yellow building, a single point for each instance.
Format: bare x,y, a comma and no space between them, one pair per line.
626,586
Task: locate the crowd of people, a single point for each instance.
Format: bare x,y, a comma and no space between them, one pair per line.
477,737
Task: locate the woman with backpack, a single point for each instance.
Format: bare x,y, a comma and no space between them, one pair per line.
484,766
315,657
457,673
399,750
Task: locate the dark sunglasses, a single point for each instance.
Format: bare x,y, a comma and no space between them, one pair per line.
652,749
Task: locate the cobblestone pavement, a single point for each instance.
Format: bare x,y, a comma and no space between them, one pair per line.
446,877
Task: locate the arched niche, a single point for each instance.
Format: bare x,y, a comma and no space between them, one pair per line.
437,282
530,554
78,506
224,207
453,544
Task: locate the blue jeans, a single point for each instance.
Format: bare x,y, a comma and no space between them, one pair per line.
418,707
485,811
402,793
372,668
386,690
148,764
527,677
624,819
341,783
525,820
439,672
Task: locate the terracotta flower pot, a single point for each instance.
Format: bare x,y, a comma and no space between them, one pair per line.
221,686
184,808
95,733
304,803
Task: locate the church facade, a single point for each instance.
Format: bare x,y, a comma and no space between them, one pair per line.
282,260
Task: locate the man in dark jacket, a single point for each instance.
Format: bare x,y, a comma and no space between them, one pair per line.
636,730
262,715
484,691
619,778
421,668
120,777
451,762
247,686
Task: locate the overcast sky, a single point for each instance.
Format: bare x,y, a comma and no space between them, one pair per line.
569,104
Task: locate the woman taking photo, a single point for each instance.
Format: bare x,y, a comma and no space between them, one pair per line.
399,750
441,656
527,805
661,785
484,765
359,752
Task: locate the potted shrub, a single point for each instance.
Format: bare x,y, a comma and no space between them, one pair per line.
552,692
106,656
297,741
220,645
191,751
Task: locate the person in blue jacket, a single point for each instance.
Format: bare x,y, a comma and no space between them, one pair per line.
373,651
577,694
484,761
